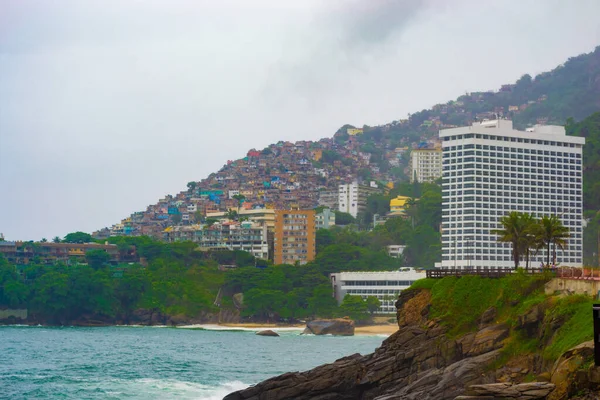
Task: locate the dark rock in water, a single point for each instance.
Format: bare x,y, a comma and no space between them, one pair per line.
267,332
337,326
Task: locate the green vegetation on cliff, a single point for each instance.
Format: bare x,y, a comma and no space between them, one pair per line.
539,323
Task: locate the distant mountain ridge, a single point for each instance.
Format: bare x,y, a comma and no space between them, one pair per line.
298,174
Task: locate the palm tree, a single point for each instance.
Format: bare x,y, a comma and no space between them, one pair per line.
232,215
513,231
552,231
56,239
240,198
410,209
530,236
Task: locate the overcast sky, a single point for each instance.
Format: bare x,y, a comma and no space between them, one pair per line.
107,105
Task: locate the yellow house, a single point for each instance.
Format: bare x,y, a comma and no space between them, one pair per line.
354,131
398,205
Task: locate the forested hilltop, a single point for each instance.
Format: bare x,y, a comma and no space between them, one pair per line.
285,173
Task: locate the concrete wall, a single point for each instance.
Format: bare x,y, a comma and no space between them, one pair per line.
573,286
17,313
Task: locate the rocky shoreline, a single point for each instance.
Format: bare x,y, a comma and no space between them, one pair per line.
420,361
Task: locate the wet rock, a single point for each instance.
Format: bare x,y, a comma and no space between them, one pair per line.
337,326
267,332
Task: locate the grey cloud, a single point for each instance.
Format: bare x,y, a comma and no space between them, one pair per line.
367,23
346,38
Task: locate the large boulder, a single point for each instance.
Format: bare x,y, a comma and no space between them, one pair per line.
267,332
337,326
568,373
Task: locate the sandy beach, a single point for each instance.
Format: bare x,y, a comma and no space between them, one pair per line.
376,329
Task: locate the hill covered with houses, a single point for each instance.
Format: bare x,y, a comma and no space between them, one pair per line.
306,174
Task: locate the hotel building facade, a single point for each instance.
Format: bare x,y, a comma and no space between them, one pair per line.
490,170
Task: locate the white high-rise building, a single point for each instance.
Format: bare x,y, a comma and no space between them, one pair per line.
352,197
491,169
348,198
425,165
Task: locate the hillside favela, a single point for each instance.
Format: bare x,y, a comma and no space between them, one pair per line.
451,253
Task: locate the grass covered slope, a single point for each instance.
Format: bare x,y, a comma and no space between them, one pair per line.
539,324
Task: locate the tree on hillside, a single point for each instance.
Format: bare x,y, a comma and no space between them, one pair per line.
176,218
97,258
373,304
324,238
56,239
343,218
240,198
552,232
355,308
77,237
232,215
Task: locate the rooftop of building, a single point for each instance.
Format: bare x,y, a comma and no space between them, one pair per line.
504,127
405,274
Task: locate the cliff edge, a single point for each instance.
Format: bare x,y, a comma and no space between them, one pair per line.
498,353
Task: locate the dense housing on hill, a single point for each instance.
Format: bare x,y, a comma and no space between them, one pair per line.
305,174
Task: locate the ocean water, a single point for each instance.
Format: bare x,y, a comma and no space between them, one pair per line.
154,362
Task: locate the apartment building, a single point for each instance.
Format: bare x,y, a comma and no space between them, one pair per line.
246,236
325,219
385,285
425,164
328,198
23,253
263,216
491,169
352,197
294,236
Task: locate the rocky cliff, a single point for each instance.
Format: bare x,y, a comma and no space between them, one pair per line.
422,360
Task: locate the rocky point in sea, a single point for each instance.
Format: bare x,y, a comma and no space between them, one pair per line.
335,327
421,361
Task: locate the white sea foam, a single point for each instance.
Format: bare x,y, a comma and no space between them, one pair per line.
145,388
171,388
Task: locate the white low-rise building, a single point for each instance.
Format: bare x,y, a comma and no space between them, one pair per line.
385,285
395,250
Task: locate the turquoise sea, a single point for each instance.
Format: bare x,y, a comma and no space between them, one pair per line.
155,362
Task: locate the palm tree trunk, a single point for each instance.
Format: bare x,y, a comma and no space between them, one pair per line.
527,259
548,256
